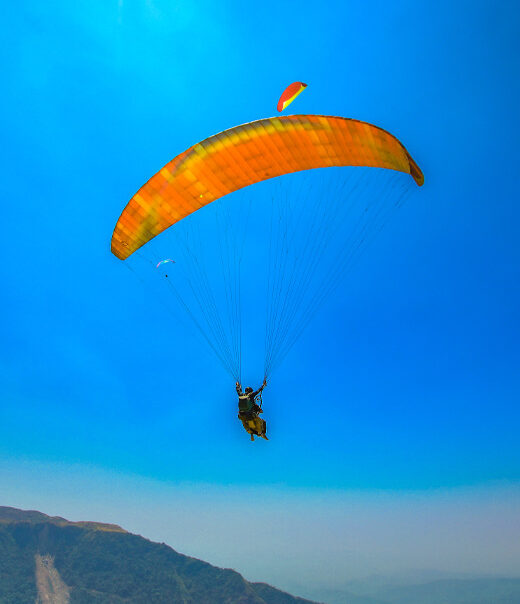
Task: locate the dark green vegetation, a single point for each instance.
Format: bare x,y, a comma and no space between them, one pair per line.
17,566
103,564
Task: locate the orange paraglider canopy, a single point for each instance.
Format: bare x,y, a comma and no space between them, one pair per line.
248,154
289,94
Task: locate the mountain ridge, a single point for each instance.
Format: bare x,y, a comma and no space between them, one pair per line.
92,564
9,515
51,559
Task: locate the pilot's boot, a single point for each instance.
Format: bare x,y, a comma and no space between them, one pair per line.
252,437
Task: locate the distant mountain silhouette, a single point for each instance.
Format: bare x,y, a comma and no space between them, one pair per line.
457,591
394,590
47,559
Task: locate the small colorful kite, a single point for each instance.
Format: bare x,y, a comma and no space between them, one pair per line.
164,262
289,94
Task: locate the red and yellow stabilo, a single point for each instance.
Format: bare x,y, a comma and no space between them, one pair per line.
289,94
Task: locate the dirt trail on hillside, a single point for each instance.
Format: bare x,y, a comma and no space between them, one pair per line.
51,588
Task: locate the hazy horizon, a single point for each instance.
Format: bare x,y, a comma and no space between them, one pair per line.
321,537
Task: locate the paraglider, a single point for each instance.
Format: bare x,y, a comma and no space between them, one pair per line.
164,262
249,410
237,158
289,94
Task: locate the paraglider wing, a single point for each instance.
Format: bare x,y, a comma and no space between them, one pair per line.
289,94
248,154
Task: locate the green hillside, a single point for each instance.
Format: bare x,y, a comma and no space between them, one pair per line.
103,565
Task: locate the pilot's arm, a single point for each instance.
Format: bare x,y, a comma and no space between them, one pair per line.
255,394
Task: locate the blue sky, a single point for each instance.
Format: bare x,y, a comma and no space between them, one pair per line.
416,353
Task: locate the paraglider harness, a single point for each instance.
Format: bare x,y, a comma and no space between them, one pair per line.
250,412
